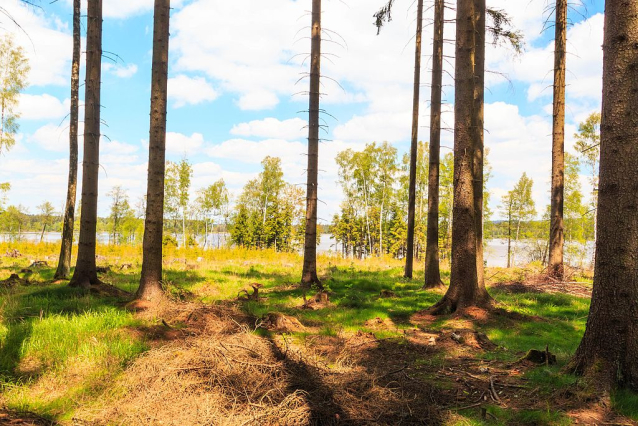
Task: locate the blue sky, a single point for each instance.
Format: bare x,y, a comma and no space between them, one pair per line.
232,89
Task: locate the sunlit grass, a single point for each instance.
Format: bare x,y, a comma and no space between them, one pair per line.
60,347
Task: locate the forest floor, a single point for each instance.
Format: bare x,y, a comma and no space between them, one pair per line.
368,356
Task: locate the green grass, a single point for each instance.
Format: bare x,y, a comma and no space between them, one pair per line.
497,416
555,320
626,403
60,348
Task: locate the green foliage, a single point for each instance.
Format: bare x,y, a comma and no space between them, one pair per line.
14,68
588,145
169,241
368,179
270,213
177,183
212,205
4,188
579,219
13,221
519,208
122,221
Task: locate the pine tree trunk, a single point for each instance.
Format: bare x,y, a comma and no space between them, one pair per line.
184,227
381,224
479,136
518,230
85,273
150,282
432,268
509,237
205,233
465,289
609,349
365,194
64,262
414,146
556,235
309,274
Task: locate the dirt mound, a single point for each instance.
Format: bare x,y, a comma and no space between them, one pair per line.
540,284
318,301
221,373
279,322
13,254
11,418
385,323
13,281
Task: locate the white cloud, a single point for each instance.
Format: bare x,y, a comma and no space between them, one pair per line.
534,67
52,137
184,90
205,174
180,144
121,71
115,153
254,152
272,128
46,42
258,100
520,144
42,107
389,126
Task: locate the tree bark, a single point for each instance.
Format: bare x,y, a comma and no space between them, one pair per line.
609,349
309,274
85,273
432,268
414,146
64,263
184,227
509,237
465,289
556,235
479,136
150,283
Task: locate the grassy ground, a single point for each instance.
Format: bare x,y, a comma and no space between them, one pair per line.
63,353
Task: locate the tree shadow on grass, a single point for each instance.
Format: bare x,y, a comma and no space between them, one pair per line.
11,349
31,304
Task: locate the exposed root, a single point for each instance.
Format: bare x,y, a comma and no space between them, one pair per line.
539,357
318,301
250,297
103,269
433,285
279,322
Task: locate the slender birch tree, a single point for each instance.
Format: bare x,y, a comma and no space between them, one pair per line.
64,262
85,273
